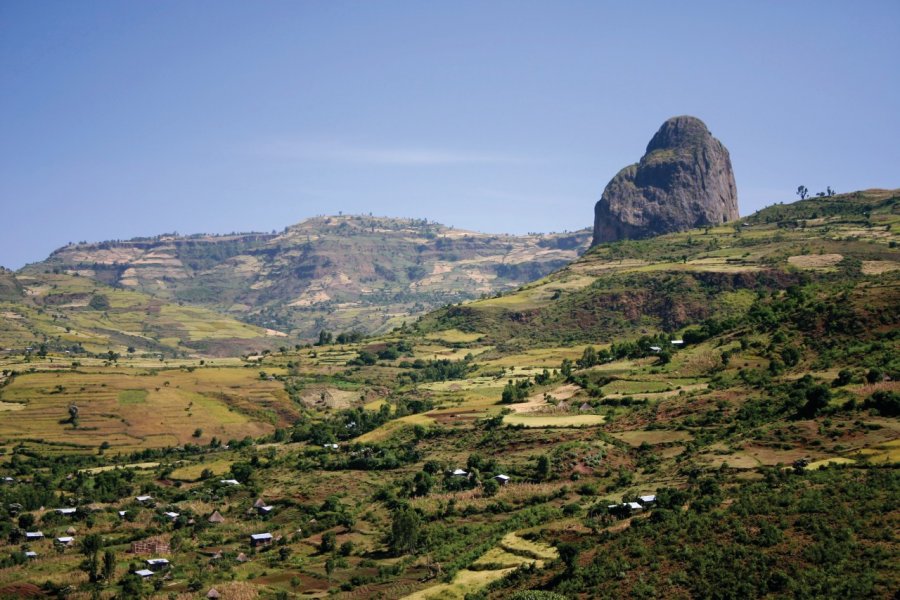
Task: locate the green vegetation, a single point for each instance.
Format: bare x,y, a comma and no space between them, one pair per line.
475,454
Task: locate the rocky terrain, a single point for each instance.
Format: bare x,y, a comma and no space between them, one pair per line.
338,273
684,180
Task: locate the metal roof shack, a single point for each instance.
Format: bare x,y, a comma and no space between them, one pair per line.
157,564
260,539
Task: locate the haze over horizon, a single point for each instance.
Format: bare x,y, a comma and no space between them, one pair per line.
131,119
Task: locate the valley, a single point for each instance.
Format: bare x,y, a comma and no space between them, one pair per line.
745,375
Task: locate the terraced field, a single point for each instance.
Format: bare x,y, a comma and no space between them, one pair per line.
131,410
511,553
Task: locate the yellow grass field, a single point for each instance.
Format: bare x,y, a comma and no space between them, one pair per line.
838,460
132,410
512,552
548,421
454,336
391,427
889,452
463,583
192,472
638,437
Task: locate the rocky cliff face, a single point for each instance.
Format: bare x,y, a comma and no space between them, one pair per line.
684,180
337,273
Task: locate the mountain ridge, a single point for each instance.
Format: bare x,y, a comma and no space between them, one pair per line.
337,272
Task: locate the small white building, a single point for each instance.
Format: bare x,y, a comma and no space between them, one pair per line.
265,510
459,473
677,342
34,535
65,540
31,554
634,506
144,573
656,349
330,446
157,564
260,539
66,511
122,513
172,515
647,500
502,479
230,482
143,499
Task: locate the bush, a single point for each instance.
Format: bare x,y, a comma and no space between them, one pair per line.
886,403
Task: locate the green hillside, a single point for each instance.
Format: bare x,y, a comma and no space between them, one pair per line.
669,282
338,273
58,312
768,433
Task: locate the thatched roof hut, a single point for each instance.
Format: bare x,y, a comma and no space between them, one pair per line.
216,517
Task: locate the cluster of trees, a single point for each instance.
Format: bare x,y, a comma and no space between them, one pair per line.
515,391
391,351
803,192
640,348
327,338
438,370
352,422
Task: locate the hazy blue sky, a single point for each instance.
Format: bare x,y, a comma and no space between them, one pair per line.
121,118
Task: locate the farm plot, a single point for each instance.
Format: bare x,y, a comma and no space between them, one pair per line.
512,552
652,437
554,421
134,410
391,427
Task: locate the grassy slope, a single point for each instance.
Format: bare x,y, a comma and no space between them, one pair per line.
717,424
671,281
57,309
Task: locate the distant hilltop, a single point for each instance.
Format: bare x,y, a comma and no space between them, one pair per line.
684,180
339,272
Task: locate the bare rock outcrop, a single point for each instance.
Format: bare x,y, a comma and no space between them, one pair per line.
684,180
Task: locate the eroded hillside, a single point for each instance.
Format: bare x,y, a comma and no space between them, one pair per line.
337,273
